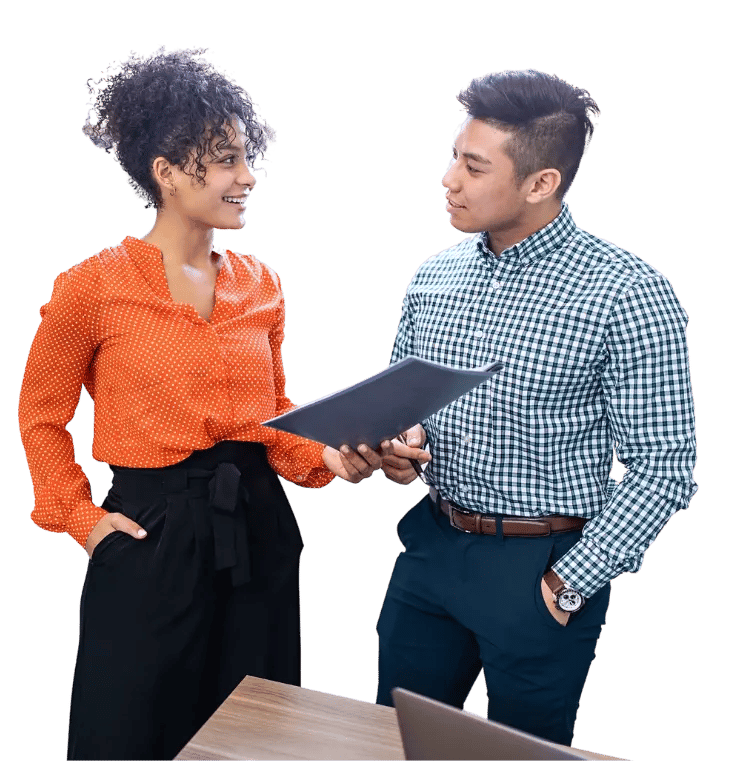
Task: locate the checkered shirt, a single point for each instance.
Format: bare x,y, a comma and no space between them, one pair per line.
592,339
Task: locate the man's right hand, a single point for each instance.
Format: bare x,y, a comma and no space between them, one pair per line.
109,523
396,466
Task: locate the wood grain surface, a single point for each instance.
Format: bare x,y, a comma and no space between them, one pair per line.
268,720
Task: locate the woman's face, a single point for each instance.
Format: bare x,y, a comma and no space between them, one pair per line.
220,201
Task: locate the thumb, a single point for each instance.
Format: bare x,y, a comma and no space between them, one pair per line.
128,526
415,436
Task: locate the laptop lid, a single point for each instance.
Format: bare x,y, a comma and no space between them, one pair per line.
433,730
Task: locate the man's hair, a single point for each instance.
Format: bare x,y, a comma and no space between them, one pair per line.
548,120
173,105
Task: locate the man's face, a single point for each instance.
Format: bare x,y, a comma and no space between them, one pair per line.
481,187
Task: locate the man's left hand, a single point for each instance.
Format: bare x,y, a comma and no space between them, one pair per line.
560,615
352,465
397,466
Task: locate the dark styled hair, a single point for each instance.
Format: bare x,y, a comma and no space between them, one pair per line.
172,105
548,120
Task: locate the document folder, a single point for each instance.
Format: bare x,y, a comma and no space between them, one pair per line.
383,406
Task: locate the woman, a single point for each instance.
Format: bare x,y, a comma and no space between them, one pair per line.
193,572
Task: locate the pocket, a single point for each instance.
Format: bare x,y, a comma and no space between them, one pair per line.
544,612
541,606
116,542
418,523
404,525
106,542
287,521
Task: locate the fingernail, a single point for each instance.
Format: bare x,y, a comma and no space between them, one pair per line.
142,532
362,447
345,449
413,442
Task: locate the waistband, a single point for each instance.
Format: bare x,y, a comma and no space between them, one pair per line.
214,473
246,453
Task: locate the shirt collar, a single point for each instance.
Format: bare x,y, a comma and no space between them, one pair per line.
538,244
149,261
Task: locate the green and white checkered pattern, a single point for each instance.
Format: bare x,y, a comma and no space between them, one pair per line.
592,339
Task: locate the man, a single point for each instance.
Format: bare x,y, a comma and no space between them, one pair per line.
508,561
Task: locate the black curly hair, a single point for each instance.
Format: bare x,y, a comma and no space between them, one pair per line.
172,105
547,118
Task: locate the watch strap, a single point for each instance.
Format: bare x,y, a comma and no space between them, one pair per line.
555,584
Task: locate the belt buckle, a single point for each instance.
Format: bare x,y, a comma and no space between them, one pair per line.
455,509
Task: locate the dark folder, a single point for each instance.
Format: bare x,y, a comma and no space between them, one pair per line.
383,406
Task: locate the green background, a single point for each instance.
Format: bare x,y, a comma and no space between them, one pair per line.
363,98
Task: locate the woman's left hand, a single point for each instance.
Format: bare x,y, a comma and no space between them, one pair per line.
352,465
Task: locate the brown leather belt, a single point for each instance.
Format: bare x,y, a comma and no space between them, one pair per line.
477,523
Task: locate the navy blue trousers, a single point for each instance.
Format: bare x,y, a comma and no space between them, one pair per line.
170,624
460,602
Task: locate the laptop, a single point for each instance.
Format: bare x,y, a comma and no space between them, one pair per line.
433,730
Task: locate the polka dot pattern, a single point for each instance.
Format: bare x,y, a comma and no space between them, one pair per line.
165,382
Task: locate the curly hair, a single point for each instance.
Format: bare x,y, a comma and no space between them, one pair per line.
172,105
548,120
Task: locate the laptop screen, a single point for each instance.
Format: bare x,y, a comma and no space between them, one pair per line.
433,730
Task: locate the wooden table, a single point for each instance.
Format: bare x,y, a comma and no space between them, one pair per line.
268,720
265,720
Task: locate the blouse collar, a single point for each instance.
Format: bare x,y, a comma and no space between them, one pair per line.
148,259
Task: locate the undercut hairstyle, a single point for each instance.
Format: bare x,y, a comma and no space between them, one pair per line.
173,105
548,120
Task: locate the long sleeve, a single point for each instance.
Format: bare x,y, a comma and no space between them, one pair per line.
294,458
57,367
404,341
404,346
647,393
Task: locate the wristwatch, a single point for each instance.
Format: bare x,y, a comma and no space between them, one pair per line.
566,599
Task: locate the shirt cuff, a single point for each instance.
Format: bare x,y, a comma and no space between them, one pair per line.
318,475
299,460
586,567
83,520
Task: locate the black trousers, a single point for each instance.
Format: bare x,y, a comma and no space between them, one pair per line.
460,602
170,624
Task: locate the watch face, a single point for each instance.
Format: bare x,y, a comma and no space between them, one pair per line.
570,601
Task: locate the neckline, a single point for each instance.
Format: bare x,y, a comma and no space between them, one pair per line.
149,260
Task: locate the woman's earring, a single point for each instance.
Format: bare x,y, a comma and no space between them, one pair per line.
173,191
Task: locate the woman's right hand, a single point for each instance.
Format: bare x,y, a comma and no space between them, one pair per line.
109,523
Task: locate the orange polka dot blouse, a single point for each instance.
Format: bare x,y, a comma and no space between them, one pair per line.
165,382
